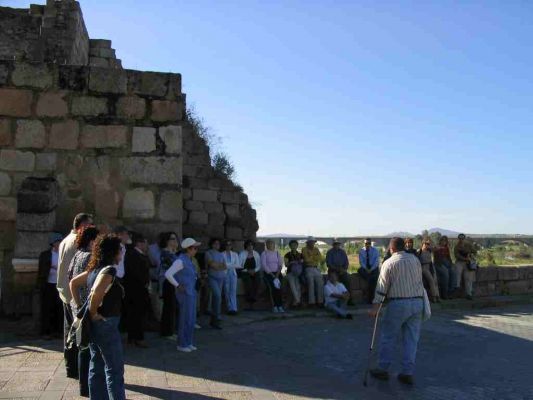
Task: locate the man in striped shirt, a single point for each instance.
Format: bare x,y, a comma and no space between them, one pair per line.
400,283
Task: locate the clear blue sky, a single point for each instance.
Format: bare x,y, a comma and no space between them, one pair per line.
346,117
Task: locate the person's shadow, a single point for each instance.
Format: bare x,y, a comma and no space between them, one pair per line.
168,394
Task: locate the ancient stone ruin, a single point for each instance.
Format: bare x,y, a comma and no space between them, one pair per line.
80,133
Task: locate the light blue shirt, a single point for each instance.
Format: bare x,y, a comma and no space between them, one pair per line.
373,258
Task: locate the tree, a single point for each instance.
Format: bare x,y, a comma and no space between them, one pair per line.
222,165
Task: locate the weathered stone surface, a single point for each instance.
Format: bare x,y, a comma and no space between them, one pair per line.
5,184
106,202
7,233
234,233
30,244
216,183
213,207
508,274
170,206
99,62
174,86
518,287
5,132
487,274
34,75
15,102
45,161
52,104
100,43
30,134
102,52
64,135
3,74
37,195
163,110
186,193
138,203
171,135
105,80
204,195
233,197
15,160
131,107
73,77
89,106
233,210
143,140
217,218
8,209
217,231
36,222
102,136
198,218
191,205
150,84
151,170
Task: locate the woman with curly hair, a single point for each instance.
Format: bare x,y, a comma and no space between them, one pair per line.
84,241
106,372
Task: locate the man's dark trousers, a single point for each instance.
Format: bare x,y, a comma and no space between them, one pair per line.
371,276
70,355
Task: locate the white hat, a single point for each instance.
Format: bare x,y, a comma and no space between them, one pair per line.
189,242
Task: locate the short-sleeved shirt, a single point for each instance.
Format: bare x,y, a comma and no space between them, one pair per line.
312,257
330,288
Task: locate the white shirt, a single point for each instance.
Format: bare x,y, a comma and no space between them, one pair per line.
257,258
233,262
67,249
120,267
330,288
52,275
172,270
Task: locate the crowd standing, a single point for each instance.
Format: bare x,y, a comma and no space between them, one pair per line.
125,280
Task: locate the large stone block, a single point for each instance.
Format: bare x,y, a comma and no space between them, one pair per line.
143,140
64,135
15,102
15,160
216,183
52,104
518,287
232,210
217,218
34,75
89,106
151,230
213,207
4,72
149,83
7,234
45,161
5,184
234,233
508,273
174,86
170,206
195,231
487,274
131,107
8,209
36,222
231,197
191,205
106,202
31,244
138,203
30,134
215,231
5,132
164,110
151,170
171,135
100,43
204,195
198,218
37,195
104,136
105,80
73,77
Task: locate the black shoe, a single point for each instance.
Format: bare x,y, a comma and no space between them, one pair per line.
349,316
380,374
406,379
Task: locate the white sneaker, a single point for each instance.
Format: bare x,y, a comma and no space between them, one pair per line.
184,349
275,310
193,348
281,310
196,326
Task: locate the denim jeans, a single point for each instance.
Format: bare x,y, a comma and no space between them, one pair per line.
106,370
338,307
230,289
216,283
443,279
84,361
187,318
401,317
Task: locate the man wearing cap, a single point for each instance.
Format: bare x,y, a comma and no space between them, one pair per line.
67,249
369,267
315,284
51,305
182,275
337,261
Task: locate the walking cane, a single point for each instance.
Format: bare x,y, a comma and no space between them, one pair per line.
372,345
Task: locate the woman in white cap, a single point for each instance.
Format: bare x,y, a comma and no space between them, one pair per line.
182,275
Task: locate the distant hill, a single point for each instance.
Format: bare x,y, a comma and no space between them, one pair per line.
400,234
446,232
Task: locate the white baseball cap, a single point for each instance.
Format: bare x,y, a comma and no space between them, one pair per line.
189,242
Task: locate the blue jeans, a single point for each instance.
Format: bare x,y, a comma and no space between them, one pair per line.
338,307
216,283
230,288
106,370
186,319
401,317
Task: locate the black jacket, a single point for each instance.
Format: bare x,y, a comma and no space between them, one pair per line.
137,271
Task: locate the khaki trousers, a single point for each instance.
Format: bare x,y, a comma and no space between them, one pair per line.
469,277
314,283
296,290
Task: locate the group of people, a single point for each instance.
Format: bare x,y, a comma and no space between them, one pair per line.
124,280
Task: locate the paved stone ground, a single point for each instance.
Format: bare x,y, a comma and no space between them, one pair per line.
470,355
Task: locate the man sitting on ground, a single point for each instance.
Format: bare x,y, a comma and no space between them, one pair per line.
337,260
336,296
